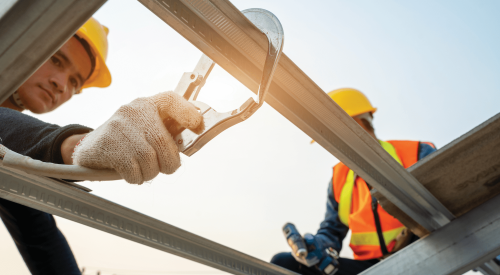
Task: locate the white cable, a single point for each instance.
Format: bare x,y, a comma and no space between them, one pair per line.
70,172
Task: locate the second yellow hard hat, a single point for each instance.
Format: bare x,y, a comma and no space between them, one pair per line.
352,101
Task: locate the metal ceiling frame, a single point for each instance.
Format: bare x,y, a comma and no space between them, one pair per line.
219,30
73,203
467,242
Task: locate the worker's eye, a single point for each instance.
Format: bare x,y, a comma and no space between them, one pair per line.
56,61
74,82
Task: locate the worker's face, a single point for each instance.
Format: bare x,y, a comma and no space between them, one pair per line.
367,128
57,80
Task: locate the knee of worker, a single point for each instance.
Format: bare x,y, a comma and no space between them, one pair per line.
284,259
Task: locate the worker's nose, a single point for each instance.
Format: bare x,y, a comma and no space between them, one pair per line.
59,82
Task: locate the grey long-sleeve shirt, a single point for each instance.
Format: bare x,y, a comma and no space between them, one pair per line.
32,137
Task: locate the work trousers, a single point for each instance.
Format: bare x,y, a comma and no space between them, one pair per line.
41,244
346,266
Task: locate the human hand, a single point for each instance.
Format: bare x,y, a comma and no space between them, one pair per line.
135,141
320,255
314,251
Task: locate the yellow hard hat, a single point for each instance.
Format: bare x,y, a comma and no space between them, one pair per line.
352,101
96,35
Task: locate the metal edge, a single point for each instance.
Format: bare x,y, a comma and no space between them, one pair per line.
68,202
466,242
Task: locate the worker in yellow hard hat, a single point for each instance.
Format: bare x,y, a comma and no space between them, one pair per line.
81,63
350,206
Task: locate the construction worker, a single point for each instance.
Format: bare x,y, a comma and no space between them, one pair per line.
133,141
375,233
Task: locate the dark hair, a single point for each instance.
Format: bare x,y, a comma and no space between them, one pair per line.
87,48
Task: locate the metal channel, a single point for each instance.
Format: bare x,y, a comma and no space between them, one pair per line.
462,175
469,241
74,204
31,31
224,34
489,268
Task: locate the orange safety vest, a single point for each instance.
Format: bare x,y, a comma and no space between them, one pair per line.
355,204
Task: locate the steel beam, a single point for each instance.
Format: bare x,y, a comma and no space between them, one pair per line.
31,31
465,243
462,175
70,202
224,34
489,268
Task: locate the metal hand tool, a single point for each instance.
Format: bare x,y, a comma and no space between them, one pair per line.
192,82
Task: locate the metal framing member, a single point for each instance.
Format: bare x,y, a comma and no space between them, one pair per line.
220,31
466,242
462,175
31,31
74,204
489,268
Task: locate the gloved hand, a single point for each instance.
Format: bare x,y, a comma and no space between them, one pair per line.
135,141
314,251
318,256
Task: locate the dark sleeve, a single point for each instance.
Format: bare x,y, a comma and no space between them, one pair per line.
424,150
31,137
332,231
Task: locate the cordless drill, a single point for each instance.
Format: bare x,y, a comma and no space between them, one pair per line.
307,251
295,240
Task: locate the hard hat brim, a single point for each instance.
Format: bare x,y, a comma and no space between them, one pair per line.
101,77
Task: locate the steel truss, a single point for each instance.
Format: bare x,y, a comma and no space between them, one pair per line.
224,34
70,202
467,242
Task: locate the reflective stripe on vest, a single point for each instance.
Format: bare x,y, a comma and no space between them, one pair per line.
356,205
371,238
346,193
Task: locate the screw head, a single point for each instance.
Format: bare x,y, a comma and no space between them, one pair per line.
180,141
192,76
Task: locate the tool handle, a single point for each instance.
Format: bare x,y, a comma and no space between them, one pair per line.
295,240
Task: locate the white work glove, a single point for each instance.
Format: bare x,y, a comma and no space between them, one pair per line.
135,141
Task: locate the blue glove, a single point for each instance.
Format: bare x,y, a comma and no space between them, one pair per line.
314,251
318,255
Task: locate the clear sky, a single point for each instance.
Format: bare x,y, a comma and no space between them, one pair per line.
431,67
